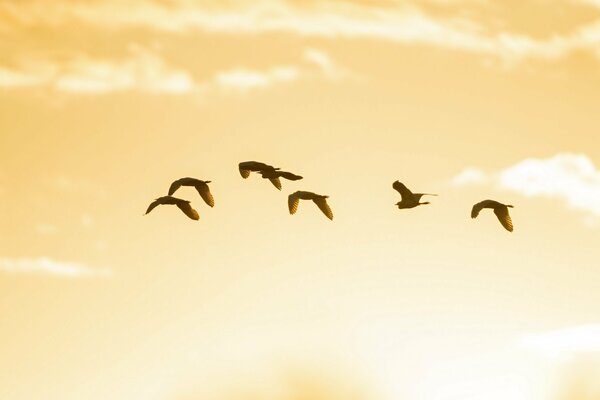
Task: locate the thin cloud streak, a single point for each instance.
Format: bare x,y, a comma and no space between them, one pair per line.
147,72
47,266
245,79
406,24
143,71
572,178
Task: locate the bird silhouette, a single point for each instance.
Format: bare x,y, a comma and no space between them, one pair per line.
319,200
201,187
253,166
409,199
274,175
501,211
183,205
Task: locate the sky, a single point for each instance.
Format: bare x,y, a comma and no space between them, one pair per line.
104,103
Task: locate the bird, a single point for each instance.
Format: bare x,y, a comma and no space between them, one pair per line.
501,211
319,200
409,199
201,187
183,205
246,167
275,174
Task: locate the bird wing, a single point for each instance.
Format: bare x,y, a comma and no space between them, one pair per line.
323,206
153,205
293,202
290,176
187,209
403,190
174,186
504,217
276,182
476,209
204,191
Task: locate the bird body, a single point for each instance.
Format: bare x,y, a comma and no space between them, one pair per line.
200,185
319,200
274,175
501,211
409,199
246,167
267,172
183,205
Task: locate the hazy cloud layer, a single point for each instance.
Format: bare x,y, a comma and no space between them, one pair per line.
572,178
564,343
400,22
47,266
145,71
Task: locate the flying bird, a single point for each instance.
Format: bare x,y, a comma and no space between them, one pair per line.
253,166
275,174
501,211
201,187
319,200
409,199
183,205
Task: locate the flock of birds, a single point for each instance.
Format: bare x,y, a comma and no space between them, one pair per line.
273,174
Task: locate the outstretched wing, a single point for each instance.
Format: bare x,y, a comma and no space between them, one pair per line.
204,191
323,206
403,190
293,202
276,182
186,207
476,209
152,206
290,176
174,186
504,217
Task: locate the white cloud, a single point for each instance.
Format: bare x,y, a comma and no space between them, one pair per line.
572,178
143,71
469,176
245,79
44,265
563,344
403,23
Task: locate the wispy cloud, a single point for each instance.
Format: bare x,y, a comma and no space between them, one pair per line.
405,23
143,71
572,178
47,266
563,344
146,72
245,79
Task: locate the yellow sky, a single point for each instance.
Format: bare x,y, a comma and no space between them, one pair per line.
104,103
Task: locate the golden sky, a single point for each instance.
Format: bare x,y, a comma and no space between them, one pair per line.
104,103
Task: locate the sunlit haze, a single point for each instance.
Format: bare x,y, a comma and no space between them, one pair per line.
104,103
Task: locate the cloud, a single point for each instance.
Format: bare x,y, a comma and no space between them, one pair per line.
404,23
245,79
327,66
47,266
572,178
142,71
563,344
146,72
